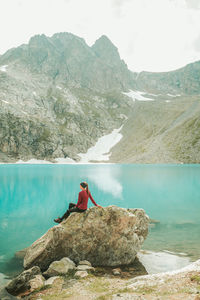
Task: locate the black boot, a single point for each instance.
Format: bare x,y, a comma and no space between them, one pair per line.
58,220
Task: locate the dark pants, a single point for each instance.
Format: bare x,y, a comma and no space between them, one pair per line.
72,208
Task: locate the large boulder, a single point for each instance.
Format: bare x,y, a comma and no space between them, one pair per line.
108,236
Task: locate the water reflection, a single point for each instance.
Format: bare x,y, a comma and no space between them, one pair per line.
107,180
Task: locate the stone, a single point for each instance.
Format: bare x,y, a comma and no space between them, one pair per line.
109,236
37,282
84,268
21,253
81,274
116,271
85,262
4,295
60,267
21,283
51,280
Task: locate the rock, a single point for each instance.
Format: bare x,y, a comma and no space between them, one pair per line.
109,236
153,221
37,282
21,282
85,262
84,268
81,274
4,295
51,280
60,267
116,271
21,253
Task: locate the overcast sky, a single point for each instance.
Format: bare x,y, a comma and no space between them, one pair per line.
151,35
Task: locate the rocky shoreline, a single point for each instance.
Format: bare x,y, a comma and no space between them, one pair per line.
109,274
65,280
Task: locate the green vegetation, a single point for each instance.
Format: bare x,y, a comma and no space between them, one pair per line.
195,278
98,286
145,289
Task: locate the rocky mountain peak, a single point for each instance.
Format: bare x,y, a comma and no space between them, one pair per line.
106,50
66,37
38,38
104,41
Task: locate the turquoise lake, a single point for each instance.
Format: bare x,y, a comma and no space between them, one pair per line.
31,196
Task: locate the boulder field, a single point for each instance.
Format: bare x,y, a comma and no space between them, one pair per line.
109,236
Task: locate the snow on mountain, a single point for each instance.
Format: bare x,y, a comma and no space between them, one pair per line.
137,95
3,68
101,150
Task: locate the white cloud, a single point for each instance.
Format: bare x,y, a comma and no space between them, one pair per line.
151,35
197,44
106,179
195,4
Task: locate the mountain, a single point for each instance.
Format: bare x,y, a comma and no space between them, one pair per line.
66,58
184,81
58,96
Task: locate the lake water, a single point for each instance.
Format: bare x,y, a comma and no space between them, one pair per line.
31,196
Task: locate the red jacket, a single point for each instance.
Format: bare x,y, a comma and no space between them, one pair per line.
83,200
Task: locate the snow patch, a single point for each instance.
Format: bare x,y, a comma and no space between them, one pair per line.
3,68
62,160
34,93
101,150
156,262
137,95
168,101
150,279
33,161
5,101
58,87
170,95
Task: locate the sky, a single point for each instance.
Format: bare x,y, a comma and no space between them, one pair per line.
151,35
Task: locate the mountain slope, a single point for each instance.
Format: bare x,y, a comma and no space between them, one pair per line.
182,81
58,96
161,132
